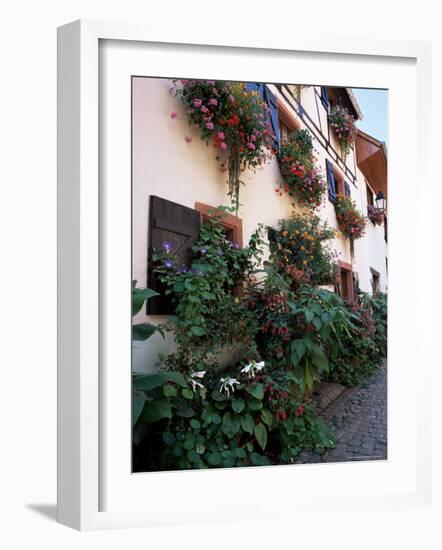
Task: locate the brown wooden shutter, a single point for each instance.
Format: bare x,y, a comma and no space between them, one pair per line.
178,225
355,286
337,276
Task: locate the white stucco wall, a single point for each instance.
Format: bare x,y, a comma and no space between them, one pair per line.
164,164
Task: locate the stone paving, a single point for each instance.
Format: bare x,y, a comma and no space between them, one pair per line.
359,419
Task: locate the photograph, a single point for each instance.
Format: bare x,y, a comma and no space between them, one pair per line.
259,274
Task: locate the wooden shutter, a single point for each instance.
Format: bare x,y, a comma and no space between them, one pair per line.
355,286
325,99
331,181
273,106
178,225
347,189
337,279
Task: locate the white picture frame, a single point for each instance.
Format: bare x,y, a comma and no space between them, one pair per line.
80,395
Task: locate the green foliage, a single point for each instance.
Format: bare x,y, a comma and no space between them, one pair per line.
293,334
208,315
248,426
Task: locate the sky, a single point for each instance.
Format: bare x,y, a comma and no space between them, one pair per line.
374,107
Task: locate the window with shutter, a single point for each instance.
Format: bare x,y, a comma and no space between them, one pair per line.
178,225
344,281
269,97
347,189
325,99
375,281
331,181
273,106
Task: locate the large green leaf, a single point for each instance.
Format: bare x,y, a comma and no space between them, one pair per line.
308,377
143,331
137,406
156,410
139,296
266,416
319,358
238,405
256,390
230,425
151,381
260,432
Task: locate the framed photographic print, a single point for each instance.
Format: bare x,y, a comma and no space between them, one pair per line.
233,254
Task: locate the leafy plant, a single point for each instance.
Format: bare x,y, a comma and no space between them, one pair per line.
299,249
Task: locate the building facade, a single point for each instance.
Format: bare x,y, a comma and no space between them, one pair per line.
177,179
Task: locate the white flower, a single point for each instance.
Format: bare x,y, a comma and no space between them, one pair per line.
194,383
252,367
199,374
228,384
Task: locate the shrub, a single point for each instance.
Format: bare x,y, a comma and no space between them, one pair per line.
299,249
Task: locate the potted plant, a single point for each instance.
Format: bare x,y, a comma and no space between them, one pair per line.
343,125
301,178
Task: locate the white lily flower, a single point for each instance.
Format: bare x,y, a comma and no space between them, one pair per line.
199,374
252,367
228,384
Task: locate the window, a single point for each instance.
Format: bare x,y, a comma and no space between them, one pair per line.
375,281
286,121
345,282
179,225
231,225
269,97
336,183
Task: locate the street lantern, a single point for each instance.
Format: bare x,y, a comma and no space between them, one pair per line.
381,201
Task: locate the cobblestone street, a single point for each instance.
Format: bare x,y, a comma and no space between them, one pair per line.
359,418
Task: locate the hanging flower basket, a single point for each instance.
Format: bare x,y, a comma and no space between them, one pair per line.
351,222
301,178
375,215
343,125
235,121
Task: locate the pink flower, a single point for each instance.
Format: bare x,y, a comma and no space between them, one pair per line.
223,145
188,139
213,101
220,135
204,109
197,102
251,145
209,125
173,115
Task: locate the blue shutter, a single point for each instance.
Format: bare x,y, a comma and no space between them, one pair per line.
331,181
347,189
256,87
324,98
273,106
